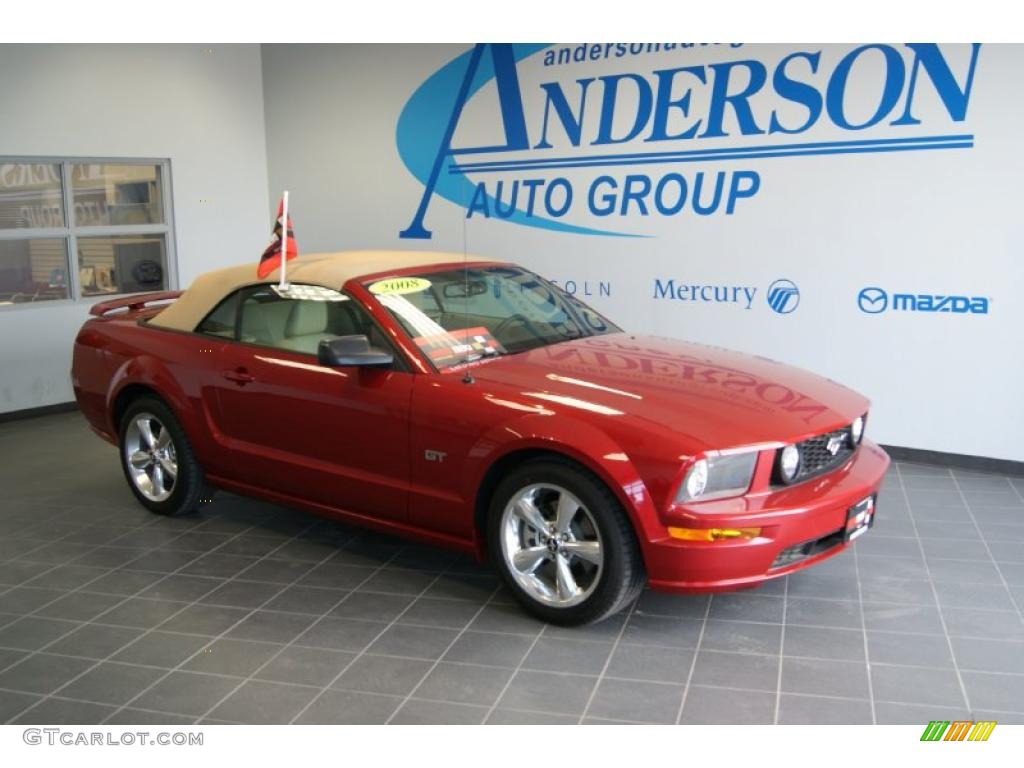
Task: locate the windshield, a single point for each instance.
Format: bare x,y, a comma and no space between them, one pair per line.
462,315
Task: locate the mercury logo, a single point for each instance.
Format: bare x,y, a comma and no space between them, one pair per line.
783,296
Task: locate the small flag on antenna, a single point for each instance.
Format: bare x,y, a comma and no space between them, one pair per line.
271,258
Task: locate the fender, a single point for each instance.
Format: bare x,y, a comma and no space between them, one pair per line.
603,456
151,372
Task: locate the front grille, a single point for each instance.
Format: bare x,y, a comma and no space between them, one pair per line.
815,458
807,549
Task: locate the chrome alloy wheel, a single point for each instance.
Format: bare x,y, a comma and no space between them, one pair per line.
150,457
551,545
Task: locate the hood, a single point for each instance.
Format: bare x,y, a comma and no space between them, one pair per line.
713,397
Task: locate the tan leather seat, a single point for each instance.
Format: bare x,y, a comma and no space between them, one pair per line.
263,322
307,325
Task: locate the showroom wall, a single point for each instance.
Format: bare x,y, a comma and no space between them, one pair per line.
862,184
851,209
199,107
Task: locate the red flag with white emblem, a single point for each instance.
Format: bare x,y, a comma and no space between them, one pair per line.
271,258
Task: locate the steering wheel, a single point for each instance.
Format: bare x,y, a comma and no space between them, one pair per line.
507,323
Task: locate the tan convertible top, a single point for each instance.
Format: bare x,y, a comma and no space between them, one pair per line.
331,270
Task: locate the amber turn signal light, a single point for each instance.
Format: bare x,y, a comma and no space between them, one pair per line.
713,534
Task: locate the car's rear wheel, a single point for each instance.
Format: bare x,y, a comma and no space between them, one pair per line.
158,461
563,543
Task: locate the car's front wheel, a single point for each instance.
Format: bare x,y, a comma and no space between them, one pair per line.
563,543
158,461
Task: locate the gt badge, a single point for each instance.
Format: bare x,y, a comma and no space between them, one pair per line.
438,456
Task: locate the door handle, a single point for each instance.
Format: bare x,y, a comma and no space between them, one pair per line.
240,376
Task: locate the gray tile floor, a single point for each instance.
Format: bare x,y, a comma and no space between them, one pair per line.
252,613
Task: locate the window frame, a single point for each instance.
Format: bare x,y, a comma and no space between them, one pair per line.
71,232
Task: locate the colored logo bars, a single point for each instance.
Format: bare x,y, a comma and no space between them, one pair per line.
958,730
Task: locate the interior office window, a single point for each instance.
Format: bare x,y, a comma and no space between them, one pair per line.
107,194
122,264
30,196
33,270
74,229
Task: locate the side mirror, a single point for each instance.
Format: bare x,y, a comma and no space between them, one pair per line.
351,350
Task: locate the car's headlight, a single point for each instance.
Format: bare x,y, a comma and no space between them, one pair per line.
789,463
857,430
718,476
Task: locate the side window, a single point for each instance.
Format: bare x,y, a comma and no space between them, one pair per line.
300,324
221,321
264,316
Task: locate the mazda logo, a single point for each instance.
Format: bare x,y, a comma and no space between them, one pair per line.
872,300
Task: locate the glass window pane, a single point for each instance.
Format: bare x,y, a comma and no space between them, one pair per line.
221,321
30,196
457,315
106,195
299,325
123,264
33,270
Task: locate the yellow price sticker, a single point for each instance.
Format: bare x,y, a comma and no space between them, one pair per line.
400,285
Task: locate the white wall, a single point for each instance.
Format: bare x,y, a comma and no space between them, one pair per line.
940,221
203,111
322,122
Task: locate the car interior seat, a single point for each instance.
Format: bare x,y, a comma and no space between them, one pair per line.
306,327
263,322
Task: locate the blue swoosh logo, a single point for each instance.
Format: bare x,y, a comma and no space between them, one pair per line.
422,125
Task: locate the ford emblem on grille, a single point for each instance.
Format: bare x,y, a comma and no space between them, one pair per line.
835,442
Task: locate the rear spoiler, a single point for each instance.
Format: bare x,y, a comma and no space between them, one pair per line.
132,303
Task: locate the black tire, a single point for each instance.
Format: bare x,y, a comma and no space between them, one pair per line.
622,575
189,488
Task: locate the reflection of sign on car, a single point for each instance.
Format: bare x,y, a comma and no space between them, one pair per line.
630,362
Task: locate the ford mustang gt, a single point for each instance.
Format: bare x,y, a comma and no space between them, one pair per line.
474,405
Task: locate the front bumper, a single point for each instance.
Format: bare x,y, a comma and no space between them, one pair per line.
813,511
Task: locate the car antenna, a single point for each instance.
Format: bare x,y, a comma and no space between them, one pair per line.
468,378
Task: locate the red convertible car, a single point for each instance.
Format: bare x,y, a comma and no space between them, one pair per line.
474,405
